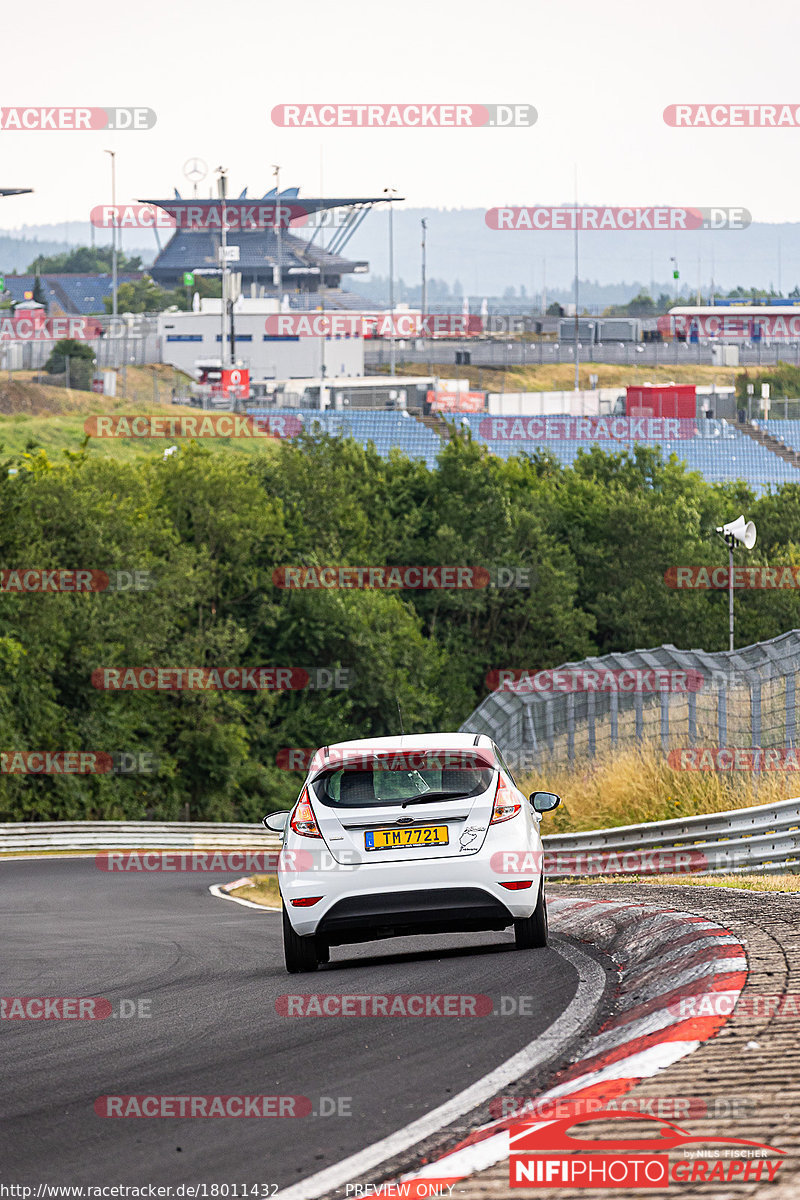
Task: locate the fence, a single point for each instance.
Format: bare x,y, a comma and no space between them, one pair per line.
506,353
673,698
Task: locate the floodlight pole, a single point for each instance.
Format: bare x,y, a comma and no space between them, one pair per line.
391,193
222,189
424,224
113,235
577,350
276,171
729,539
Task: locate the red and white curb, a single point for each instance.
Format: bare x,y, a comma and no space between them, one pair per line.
665,958
223,892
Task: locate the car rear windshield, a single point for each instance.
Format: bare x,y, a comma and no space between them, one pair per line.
360,788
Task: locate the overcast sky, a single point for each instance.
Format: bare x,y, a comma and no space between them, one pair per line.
599,74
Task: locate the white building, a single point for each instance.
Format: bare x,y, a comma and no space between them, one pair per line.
189,336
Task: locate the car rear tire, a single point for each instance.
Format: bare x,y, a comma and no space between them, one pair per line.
530,933
300,953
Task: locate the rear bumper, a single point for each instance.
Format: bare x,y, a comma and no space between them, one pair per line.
365,917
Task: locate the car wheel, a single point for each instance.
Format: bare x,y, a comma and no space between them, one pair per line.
530,933
323,951
300,953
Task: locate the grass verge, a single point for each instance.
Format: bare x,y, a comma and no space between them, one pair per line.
558,377
632,787
263,889
749,883
36,417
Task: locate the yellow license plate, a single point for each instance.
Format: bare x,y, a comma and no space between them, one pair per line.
395,839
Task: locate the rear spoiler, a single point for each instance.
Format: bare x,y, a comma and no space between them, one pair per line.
446,758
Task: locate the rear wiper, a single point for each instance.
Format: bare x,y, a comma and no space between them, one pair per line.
432,797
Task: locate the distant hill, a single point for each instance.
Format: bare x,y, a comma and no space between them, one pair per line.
486,262
463,251
19,247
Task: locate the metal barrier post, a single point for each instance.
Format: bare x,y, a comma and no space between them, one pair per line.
571,726
755,712
665,721
791,715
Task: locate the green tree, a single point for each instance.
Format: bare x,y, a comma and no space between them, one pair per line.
83,260
143,295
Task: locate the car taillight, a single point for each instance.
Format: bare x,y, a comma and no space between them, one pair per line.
306,901
517,885
302,819
505,805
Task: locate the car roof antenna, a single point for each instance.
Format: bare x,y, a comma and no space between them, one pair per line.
400,715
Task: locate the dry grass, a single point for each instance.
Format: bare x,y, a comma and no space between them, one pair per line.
633,786
263,889
141,386
36,417
749,883
558,377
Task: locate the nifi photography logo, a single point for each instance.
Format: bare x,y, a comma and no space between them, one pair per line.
547,1154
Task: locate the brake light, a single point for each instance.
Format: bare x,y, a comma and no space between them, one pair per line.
306,901
518,885
505,805
302,819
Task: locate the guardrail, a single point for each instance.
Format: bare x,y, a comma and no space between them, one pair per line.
763,838
134,835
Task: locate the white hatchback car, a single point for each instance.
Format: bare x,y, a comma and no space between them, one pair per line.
409,835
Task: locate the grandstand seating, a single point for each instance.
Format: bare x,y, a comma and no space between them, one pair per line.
786,431
718,451
80,294
385,430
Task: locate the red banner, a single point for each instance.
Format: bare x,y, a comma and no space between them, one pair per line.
457,401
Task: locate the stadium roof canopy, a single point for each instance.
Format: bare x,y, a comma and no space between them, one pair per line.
303,266
308,204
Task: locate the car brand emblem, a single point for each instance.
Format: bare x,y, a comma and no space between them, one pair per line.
404,821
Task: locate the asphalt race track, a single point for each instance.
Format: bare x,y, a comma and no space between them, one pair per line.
212,971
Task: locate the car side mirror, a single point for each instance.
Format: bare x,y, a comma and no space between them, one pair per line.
276,821
544,801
